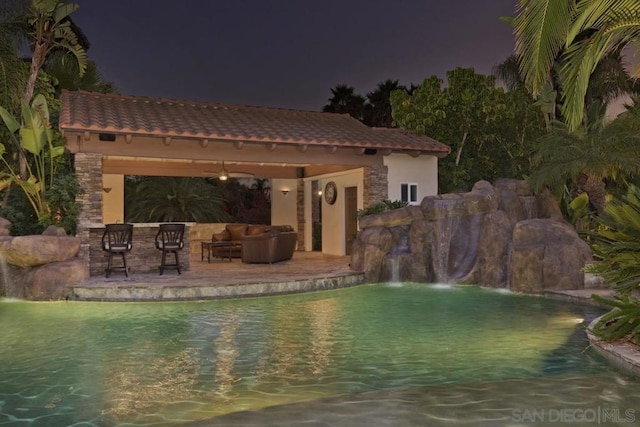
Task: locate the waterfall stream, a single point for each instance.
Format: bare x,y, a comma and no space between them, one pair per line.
456,241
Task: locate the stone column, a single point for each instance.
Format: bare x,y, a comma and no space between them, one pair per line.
376,185
89,173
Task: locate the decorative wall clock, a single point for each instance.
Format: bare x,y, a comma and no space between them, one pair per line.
330,192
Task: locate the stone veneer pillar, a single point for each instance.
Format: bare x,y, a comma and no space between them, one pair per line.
300,214
89,173
376,185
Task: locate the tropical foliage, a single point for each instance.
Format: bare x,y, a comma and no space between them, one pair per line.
345,101
374,110
33,155
383,206
617,245
491,132
570,38
585,158
33,138
377,110
52,31
157,199
248,204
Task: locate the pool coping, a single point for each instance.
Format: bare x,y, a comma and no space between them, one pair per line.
148,292
624,355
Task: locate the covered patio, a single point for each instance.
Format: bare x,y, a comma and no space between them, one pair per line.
300,152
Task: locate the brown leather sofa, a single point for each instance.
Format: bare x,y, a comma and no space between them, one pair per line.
275,245
236,233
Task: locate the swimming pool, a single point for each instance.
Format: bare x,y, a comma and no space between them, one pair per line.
407,354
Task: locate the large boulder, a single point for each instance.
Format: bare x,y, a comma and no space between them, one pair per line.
547,255
38,267
30,251
49,281
5,226
368,254
499,236
548,206
493,249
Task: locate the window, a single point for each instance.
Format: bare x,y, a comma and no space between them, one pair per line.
409,193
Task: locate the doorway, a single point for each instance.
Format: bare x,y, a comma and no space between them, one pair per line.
350,217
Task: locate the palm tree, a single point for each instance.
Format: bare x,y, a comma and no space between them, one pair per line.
587,157
580,33
377,112
580,159
508,72
154,199
13,70
49,29
68,78
52,30
345,101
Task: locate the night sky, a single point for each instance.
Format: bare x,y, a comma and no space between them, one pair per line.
287,53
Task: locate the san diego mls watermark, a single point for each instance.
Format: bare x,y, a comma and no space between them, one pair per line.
597,415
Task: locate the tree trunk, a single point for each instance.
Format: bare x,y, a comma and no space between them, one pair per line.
39,55
464,138
595,188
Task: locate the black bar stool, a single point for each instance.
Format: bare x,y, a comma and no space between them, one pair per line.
116,240
170,240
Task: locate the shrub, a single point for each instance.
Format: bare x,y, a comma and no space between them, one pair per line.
617,244
385,205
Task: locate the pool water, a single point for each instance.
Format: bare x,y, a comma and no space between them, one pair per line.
408,354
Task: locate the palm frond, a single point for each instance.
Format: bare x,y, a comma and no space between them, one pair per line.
621,322
581,60
617,243
597,14
540,27
612,30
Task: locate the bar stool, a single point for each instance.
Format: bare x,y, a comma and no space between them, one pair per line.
170,240
116,240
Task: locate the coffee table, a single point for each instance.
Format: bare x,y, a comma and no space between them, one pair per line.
208,246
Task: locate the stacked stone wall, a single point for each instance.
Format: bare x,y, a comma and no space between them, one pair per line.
88,168
143,257
376,185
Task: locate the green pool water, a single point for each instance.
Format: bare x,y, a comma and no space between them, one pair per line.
413,354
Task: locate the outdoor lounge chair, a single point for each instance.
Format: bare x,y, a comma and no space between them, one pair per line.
116,240
170,240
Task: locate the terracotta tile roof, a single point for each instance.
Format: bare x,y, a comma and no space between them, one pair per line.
122,114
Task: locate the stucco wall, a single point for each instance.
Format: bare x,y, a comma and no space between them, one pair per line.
112,198
283,207
422,170
333,238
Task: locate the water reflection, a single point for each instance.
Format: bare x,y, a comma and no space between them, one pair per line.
323,316
138,385
162,364
227,351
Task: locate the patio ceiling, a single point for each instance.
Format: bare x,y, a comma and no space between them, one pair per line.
123,165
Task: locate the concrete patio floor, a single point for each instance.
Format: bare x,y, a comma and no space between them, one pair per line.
305,272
